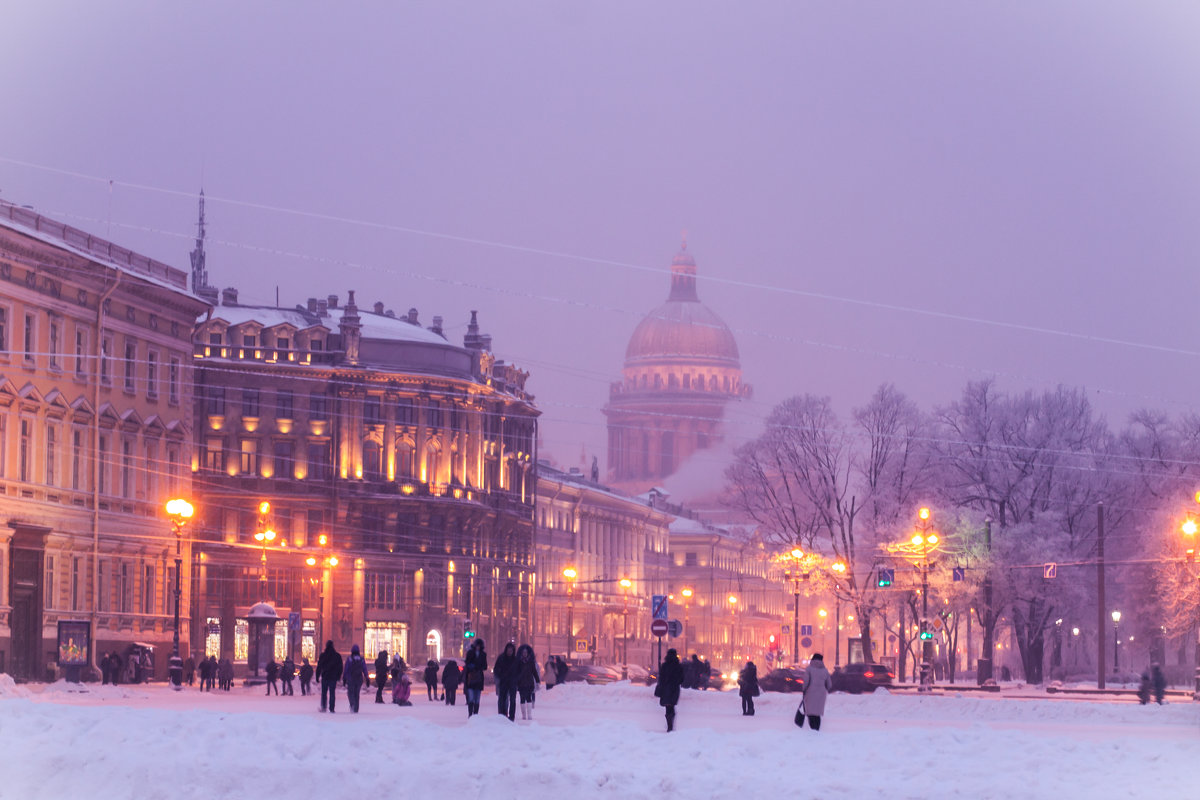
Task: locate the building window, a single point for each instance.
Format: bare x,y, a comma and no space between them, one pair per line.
249,464
125,590
172,469
214,454
3,330
80,352
690,560
51,455
25,456
104,585
55,327
372,412
385,591
126,468
77,482
173,380
3,446
372,460
130,363
148,589
404,412
249,402
433,415
78,583
151,470
284,402
105,356
214,400
317,406
152,374
284,460
405,460
319,467
30,336
102,466
248,340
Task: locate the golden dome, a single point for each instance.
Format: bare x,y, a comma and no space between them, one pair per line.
682,329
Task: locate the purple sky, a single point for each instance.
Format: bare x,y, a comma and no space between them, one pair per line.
1035,164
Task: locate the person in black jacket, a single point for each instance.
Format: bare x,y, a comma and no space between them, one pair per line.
1159,680
505,671
670,680
272,676
526,679
451,678
381,674
474,667
431,679
306,676
748,688
560,670
355,676
329,672
287,672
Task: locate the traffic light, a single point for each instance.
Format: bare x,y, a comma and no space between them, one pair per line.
773,643
926,632
467,632
886,577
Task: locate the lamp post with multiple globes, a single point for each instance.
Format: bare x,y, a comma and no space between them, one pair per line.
180,511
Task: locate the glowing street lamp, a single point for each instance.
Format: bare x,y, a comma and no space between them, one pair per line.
570,573
180,511
327,563
687,604
1116,618
625,586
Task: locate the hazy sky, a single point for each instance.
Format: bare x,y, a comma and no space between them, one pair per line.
840,168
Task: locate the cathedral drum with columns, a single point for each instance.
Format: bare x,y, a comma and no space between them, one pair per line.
681,370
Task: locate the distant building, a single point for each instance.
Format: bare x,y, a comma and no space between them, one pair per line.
377,443
95,436
681,371
605,536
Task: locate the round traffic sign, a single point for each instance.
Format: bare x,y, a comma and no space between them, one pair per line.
659,627
806,642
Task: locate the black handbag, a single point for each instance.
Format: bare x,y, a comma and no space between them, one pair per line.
800,715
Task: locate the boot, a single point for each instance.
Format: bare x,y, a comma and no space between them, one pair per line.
524,711
529,712
670,720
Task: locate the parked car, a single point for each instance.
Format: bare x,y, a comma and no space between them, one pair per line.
782,680
860,677
639,674
594,674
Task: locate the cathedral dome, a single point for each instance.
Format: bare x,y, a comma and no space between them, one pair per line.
683,328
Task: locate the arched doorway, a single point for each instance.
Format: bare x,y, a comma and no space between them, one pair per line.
433,642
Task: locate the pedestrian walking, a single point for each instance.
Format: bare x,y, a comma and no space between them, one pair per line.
381,674
212,673
748,688
474,667
306,676
1159,681
451,677
205,669
526,680
560,670
105,666
505,673
355,675
431,680
549,673
272,676
670,681
189,670
223,672
287,672
817,686
329,672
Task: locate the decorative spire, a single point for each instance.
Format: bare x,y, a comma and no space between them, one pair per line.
199,273
683,275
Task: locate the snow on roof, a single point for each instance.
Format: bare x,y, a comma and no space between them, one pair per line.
380,326
266,316
374,326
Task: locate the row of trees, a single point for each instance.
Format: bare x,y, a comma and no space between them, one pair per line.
1032,468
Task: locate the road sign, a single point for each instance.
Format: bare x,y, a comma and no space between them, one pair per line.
770,656
581,645
293,620
658,604
806,642
1050,570
806,630
887,576
787,628
659,627
674,628
960,573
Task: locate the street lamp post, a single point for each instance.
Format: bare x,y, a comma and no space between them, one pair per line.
733,628
326,563
1116,618
180,512
265,535
1189,530
796,576
924,539
570,573
625,584
839,567
687,604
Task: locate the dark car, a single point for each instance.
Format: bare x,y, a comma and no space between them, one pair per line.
594,674
639,674
782,680
858,678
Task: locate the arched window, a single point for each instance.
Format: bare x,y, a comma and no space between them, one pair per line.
657,381
672,381
405,461
712,383
430,467
372,460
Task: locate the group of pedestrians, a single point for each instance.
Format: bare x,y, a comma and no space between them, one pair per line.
212,673
285,672
1153,680
672,677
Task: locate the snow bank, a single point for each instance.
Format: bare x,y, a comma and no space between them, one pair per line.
586,741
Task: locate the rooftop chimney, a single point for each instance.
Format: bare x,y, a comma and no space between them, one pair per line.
229,296
322,308
333,301
312,305
472,340
437,326
412,317
378,307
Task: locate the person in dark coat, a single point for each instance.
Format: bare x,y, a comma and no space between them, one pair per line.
272,676
451,677
223,671
114,667
381,674
306,676
505,671
1143,692
1159,680
526,680
560,670
287,673
329,672
205,669
105,666
431,680
474,667
212,673
355,676
189,671
670,681
748,688
817,686
691,672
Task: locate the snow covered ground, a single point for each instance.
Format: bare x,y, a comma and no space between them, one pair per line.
587,741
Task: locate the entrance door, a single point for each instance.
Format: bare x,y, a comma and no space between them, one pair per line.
26,613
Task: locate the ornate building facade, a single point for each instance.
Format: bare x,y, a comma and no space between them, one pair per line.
399,472
605,537
95,416
681,371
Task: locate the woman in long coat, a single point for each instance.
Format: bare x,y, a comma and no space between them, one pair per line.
670,679
817,686
451,677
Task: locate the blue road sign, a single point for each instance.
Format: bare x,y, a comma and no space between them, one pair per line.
806,630
960,573
658,604
293,620
674,628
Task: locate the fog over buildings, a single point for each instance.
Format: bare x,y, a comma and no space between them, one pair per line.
918,194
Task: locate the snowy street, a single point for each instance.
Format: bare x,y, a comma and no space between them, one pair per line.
587,741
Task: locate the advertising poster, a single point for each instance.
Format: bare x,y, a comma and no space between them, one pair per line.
74,643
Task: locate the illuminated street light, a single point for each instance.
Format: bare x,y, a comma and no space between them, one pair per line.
625,584
570,573
180,511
